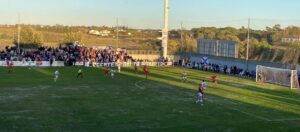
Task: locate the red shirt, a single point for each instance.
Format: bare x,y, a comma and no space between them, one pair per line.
214,78
135,67
200,89
10,65
147,72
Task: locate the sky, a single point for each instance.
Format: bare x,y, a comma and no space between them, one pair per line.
144,14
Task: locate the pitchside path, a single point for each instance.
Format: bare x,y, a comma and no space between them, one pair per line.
31,101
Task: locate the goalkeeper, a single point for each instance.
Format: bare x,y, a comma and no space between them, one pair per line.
260,79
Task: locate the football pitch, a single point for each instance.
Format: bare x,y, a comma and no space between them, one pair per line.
31,101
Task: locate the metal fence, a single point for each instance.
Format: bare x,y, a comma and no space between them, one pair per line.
153,52
241,63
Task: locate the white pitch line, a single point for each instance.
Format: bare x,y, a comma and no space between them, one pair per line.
287,119
250,114
260,117
137,84
246,113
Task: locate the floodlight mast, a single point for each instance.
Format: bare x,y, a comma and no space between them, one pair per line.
247,48
19,32
165,31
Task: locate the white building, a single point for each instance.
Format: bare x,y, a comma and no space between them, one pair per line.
292,39
103,33
94,32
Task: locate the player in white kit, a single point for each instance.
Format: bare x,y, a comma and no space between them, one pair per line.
56,74
184,76
112,73
201,88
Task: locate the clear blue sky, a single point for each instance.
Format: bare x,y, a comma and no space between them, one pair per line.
149,13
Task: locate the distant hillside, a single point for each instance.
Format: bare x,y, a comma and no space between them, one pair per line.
55,35
272,44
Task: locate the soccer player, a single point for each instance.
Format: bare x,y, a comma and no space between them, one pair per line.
184,76
112,73
201,88
106,71
80,74
144,67
214,79
119,67
146,72
299,79
29,63
10,67
56,74
260,79
135,68
203,84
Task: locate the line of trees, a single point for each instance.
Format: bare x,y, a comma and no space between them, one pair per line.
264,44
32,38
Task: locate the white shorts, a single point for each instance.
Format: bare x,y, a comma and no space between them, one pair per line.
200,94
56,77
184,78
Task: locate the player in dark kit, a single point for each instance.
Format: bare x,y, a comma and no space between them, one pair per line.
106,71
135,68
80,73
260,79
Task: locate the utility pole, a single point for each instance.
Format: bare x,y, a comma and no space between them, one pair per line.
19,32
248,41
117,32
165,31
181,37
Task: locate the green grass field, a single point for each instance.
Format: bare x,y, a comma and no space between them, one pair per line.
31,101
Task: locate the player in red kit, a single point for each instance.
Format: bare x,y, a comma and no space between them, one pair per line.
10,67
146,72
144,67
214,79
201,89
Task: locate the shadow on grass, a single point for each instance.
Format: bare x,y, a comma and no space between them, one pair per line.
261,93
165,104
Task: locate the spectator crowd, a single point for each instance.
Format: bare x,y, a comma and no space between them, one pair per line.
69,54
225,69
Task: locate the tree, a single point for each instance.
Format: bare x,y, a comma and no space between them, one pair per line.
173,46
28,38
72,37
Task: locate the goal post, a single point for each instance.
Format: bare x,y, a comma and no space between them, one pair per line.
285,77
294,76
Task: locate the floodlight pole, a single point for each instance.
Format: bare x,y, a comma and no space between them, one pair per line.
248,41
181,37
117,33
165,31
19,32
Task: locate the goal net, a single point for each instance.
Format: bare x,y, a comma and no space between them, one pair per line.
278,76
